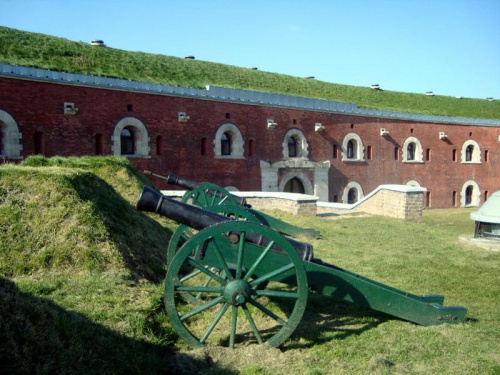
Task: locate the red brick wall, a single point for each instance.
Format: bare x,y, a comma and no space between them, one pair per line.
38,106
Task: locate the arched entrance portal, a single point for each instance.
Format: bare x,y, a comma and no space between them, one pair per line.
294,185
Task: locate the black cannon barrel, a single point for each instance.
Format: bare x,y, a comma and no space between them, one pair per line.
173,179
152,201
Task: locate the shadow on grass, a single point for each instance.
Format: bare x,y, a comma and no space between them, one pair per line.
141,240
37,336
327,319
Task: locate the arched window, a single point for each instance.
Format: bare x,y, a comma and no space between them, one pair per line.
292,147
10,146
353,192
352,196
228,142
294,185
39,143
99,144
412,151
295,144
468,195
225,144
130,138
127,141
352,148
471,153
468,152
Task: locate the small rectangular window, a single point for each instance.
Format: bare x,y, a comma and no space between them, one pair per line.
130,108
454,154
228,115
204,146
428,154
428,199
485,195
454,199
369,152
335,152
486,155
335,198
396,153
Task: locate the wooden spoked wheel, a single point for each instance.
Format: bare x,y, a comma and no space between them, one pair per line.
208,195
234,308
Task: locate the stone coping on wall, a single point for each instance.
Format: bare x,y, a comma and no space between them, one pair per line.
230,95
390,187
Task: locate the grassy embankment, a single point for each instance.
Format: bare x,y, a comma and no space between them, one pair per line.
43,51
81,290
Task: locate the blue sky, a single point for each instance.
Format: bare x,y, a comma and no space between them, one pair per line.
450,47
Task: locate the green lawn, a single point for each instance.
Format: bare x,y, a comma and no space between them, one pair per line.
102,312
44,51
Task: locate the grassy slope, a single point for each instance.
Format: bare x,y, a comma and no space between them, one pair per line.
31,49
93,302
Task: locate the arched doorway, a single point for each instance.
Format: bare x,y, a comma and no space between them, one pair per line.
294,185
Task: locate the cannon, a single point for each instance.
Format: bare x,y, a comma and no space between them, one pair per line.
217,199
238,281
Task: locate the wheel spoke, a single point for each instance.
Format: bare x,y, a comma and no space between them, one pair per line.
267,311
221,259
252,324
258,261
216,320
234,319
203,307
241,248
207,281
192,274
206,271
270,275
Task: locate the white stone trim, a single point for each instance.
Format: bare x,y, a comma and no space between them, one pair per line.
302,145
140,136
349,186
476,152
476,194
359,154
302,177
11,137
237,144
419,153
413,183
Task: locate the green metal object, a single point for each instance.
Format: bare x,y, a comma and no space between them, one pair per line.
234,291
230,269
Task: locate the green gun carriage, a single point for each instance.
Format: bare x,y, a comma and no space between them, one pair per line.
232,281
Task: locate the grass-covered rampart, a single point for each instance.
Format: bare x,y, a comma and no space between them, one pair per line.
81,289
44,51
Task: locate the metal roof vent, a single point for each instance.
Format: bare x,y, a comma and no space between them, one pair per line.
98,43
488,218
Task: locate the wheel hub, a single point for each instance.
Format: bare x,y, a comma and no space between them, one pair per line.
237,292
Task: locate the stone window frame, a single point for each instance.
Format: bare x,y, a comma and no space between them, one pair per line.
11,137
236,138
349,186
141,138
476,152
359,152
302,147
302,177
476,194
418,152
